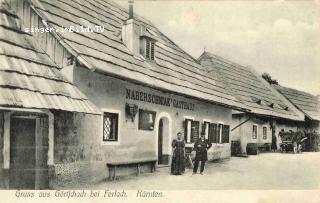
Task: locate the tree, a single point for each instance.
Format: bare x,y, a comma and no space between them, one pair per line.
269,79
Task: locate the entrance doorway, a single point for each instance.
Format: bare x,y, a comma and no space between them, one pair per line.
160,142
28,152
22,153
163,141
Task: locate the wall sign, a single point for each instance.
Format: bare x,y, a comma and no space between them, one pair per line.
159,100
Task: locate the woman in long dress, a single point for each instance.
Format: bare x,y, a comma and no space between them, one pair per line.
178,157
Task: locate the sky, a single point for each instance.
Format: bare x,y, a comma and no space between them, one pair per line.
279,37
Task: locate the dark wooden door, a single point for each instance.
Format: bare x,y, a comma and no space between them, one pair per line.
22,153
42,154
160,141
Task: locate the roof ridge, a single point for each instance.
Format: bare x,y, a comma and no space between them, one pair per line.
300,91
256,82
226,60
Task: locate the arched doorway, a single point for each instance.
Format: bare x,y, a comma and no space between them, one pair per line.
160,142
163,140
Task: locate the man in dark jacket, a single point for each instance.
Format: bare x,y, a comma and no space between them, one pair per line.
201,146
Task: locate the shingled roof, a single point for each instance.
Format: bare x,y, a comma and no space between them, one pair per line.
28,78
307,103
173,70
248,87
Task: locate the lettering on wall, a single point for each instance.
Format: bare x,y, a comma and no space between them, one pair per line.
159,100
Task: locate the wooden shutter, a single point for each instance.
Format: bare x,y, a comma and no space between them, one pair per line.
147,49
152,50
185,126
213,133
204,129
195,131
219,126
225,134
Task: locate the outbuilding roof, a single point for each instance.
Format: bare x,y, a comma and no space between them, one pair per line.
307,103
173,69
28,78
248,87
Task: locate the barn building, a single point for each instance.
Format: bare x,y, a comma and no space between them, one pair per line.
310,106
34,100
270,111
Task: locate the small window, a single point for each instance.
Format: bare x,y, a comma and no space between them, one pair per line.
187,130
195,132
110,127
150,45
206,126
254,132
264,131
191,130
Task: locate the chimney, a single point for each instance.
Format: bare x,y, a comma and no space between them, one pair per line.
131,31
131,9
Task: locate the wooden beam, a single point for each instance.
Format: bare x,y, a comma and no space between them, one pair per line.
241,124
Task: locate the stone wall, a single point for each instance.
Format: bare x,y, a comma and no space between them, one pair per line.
76,153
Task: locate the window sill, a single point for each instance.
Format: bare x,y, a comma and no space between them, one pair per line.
219,144
108,143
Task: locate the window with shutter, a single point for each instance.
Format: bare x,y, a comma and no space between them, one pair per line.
195,131
225,133
150,49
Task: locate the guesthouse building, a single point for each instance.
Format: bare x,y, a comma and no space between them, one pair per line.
146,88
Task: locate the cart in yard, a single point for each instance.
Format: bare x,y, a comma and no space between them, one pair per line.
291,141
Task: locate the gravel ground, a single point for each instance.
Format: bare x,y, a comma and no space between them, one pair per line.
263,172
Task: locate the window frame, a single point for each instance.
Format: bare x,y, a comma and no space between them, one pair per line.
220,132
111,142
206,124
149,54
266,136
256,135
188,134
